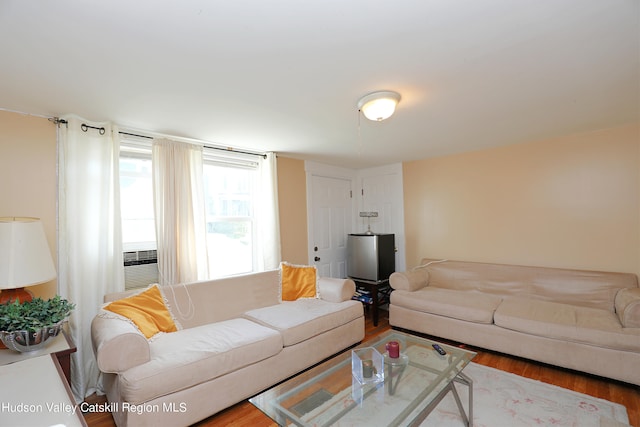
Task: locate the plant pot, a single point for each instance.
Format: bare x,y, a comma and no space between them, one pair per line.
25,341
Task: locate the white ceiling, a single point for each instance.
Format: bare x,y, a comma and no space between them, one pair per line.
286,75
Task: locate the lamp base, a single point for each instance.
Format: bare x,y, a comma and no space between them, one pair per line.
10,295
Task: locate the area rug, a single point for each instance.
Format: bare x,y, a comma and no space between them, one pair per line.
502,399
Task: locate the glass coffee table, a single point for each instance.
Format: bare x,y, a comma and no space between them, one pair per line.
411,386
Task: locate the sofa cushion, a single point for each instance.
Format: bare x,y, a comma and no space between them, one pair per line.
305,318
464,305
595,289
298,281
192,356
566,322
208,301
628,307
147,310
411,280
336,290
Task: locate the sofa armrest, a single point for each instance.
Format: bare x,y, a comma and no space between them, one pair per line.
117,344
627,305
411,280
336,290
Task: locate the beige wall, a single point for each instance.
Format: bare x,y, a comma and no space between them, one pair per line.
28,174
565,202
293,210
28,163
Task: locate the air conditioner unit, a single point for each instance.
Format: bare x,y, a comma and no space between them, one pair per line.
140,269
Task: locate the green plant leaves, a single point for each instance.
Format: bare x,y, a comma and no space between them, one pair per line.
33,315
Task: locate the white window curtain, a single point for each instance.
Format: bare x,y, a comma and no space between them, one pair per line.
89,235
268,217
180,211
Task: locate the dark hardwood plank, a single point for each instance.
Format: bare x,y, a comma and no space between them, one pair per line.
245,414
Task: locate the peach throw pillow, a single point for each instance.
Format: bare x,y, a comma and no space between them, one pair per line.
298,281
147,310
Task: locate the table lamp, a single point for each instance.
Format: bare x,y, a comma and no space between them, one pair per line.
25,258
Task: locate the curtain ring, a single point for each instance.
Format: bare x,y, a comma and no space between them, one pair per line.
84,127
101,131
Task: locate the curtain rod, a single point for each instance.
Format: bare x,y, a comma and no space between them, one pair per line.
101,130
233,150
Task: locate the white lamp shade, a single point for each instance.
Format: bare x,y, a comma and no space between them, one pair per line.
25,258
379,106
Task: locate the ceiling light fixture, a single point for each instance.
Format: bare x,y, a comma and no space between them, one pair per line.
378,106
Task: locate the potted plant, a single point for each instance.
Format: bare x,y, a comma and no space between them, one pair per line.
27,326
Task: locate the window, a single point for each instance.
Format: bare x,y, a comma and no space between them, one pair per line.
136,209
136,198
231,227
229,185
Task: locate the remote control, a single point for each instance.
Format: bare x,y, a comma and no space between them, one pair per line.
439,349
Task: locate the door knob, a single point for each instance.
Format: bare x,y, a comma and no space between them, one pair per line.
317,258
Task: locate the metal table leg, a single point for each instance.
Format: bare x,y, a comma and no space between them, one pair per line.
463,379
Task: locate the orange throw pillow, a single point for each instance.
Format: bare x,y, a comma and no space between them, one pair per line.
146,310
298,281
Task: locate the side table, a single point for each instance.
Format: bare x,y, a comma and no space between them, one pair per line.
374,287
61,347
35,393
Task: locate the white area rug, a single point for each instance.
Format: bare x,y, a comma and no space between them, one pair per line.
502,399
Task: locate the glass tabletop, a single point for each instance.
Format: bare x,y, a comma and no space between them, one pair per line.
330,394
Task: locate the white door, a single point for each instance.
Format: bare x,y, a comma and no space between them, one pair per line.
381,191
330,213
378,196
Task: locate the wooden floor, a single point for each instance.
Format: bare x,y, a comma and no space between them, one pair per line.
245,414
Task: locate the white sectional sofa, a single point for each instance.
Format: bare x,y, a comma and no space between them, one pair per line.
583,320
237,339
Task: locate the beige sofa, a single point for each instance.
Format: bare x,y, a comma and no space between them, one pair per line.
237,339
583,320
